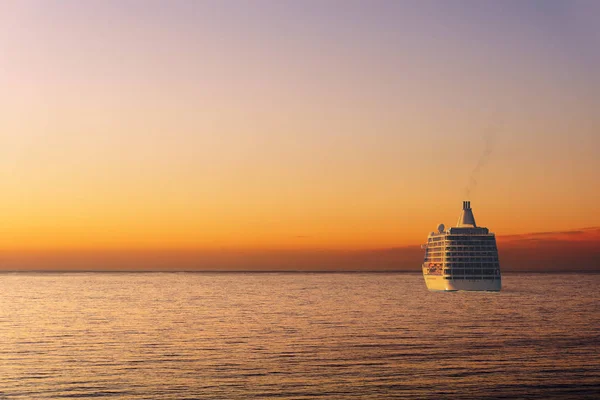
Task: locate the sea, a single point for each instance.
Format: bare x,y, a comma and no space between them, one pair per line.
296,336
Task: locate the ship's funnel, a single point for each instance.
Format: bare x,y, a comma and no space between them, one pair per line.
466,219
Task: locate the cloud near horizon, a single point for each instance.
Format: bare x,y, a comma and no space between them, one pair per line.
584,233
572,250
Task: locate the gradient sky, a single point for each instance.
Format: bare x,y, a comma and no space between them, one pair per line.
232,126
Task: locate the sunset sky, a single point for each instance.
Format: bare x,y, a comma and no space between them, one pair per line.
234,133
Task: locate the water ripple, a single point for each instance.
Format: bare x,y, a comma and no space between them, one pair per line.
296,336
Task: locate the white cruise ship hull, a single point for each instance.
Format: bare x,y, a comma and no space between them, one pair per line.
464,257
438,283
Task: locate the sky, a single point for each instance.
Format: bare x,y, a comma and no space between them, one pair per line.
292,134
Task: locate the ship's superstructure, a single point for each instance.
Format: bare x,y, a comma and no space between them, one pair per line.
464,257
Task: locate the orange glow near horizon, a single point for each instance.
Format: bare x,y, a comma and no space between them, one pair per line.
577,250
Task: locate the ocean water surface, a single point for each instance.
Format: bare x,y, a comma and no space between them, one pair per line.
295,336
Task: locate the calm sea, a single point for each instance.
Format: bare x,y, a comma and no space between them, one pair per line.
296,336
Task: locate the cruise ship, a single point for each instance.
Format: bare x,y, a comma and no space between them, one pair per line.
464,257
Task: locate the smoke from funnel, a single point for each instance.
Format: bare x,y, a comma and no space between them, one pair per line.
483,159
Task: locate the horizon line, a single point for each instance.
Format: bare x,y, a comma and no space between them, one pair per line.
245,271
